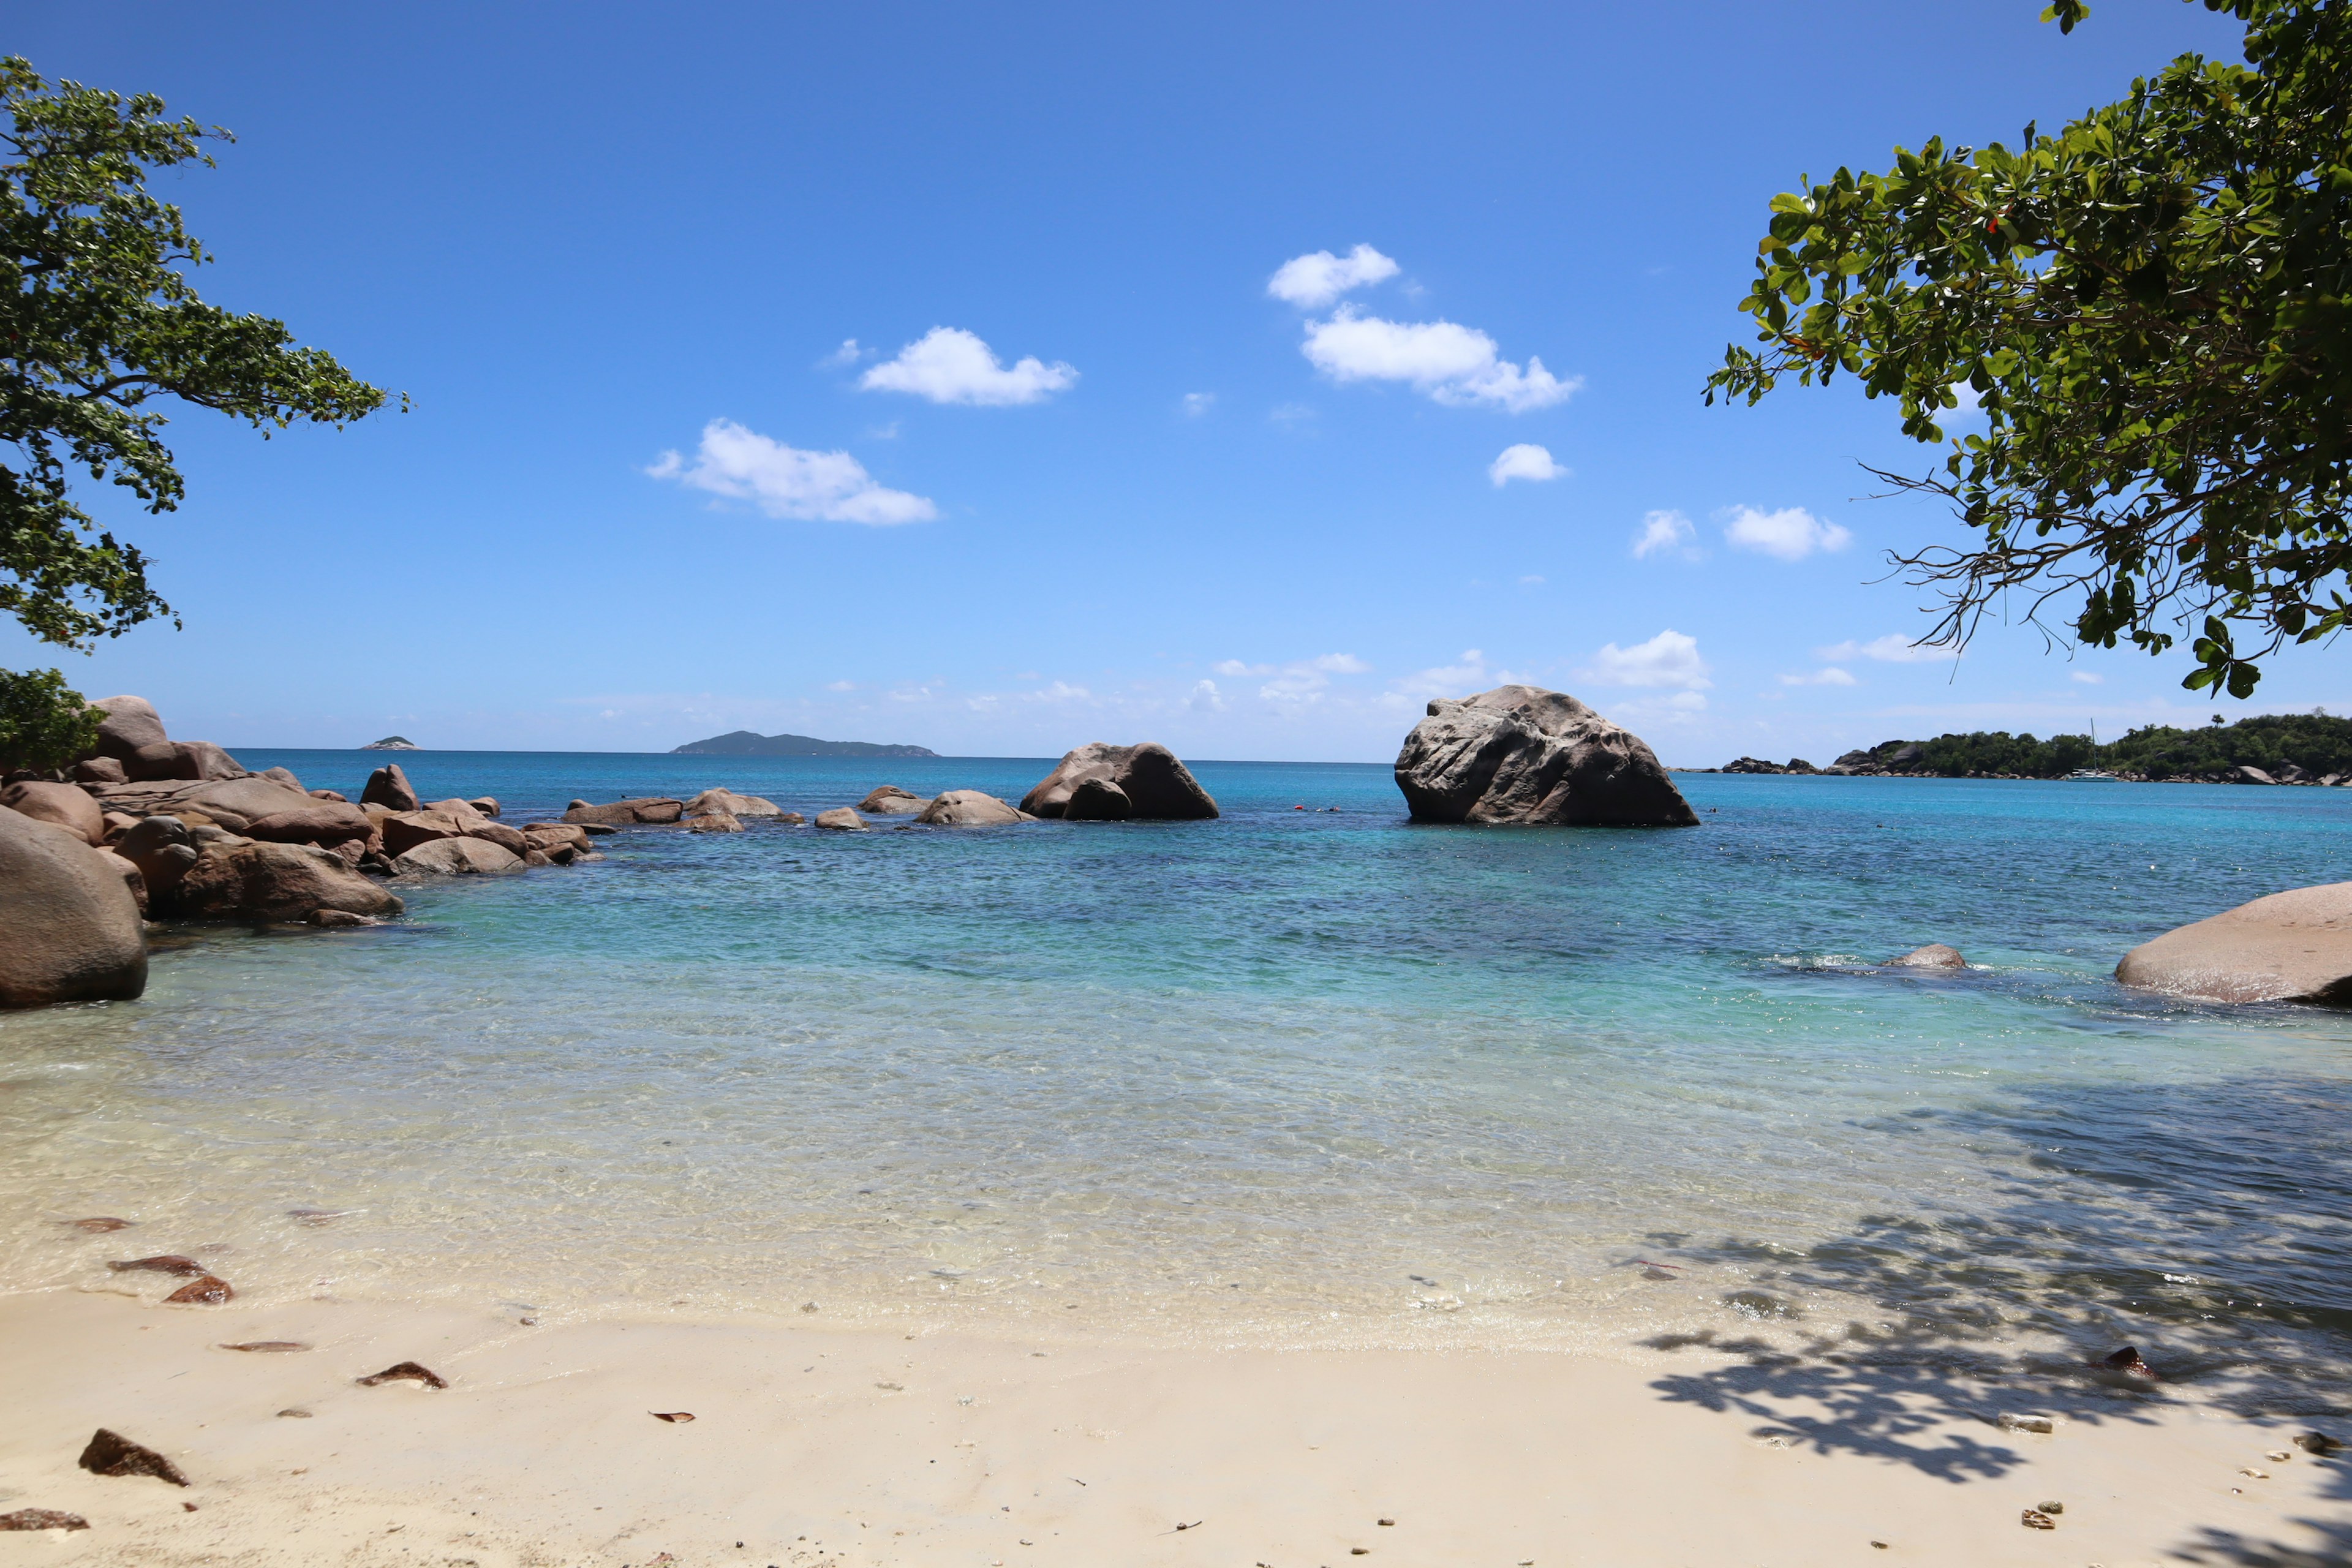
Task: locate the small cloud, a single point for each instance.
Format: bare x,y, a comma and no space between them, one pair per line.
1233,667
1465,676
2087,678
1340,664
1524,461
948,365
1199,403
1830,676
1531,581
1453,365
1892,649
1314,280
848,354
785,481
1293,413
1206,698
841,686
1790,535
1670,658
884,432
1665,533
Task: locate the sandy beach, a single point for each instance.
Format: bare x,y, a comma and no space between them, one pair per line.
813,1444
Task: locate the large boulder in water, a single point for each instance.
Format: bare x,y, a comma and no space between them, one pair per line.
968,808
2294,946
388,786
1522,754
654,808
68,923
463,857
890,800
1157,787
711,802
238,878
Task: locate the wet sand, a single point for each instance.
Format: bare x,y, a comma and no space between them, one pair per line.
815,1444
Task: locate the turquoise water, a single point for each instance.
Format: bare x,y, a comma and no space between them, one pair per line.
1284,1077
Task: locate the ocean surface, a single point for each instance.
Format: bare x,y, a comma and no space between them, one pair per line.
1289,1076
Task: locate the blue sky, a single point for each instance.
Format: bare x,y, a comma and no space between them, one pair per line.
998,379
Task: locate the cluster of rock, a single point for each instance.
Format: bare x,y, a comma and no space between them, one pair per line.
1520,754
1097,782
1757,765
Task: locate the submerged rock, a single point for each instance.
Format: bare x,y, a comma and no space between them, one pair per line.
1935,955
112,1454
204,1291
1520,754
1157,785
162,1263
69,926
2294,946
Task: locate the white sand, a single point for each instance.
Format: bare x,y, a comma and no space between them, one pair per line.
816,1444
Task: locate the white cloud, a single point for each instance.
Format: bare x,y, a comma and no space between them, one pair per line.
847,354
785,481
1790,535
1670,658
1206,699
1524,461
1290,414
1314,280
1892,649
1298,683
948,365
2087,678
841,686
1665,532
1199,403
1454,365
1531,581
1460,679
1833,676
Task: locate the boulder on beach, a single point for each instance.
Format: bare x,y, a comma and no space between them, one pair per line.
2294,946
131,725
389,786
652,808
162,849
841,819
69,926
458,856
1520,754
325,823
59,805
240,879
890,800
1158,786
733,804
1935,955
966,808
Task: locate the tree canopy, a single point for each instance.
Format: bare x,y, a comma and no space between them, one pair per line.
2151,310
98,320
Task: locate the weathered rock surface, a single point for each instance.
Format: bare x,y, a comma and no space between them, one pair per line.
715,822
487,805
1520,754
130,724
283,776
324,824
405,1372
112,1454
509,840
1935,955
403,831
733,804
890,800
162,849
42,1519
389,786
244,879
842,819
1158,786
1098,800
133,877
2294,946
204,1291
99,770
60,805
965,808
462,856
69,926
644,808
232,803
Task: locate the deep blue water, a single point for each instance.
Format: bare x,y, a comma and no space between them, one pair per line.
1287,1073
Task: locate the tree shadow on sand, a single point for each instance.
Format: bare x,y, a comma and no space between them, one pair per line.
2208,1225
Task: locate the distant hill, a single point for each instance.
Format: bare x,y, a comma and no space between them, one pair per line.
743,743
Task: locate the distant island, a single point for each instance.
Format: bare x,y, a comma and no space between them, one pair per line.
392,743
744,743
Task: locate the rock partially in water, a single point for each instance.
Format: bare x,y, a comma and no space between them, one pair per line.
1935,955
1158,786
651,808
389,786
461,856
2294,946
69,924
966,808
890,800
112,1454
205,1290
733,804
99,1224
238,880
405,1372
42,1519
162,1263
1098,800
1523,755
325,823
841,819
714,822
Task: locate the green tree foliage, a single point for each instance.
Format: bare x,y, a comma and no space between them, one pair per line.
98,322
2152,307
43,723
2317,744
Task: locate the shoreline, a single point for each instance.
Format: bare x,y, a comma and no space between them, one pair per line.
825,1446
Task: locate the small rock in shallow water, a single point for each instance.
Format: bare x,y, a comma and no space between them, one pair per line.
318,1216
209,1290
405,1371
1935,955
2127,1361
42,1519
269,1345
99,1224
162,1263
111,1453
339,918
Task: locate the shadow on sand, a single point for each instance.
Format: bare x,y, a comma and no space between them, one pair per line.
2208,1224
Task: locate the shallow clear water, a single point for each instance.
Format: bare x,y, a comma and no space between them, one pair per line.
1288,1075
